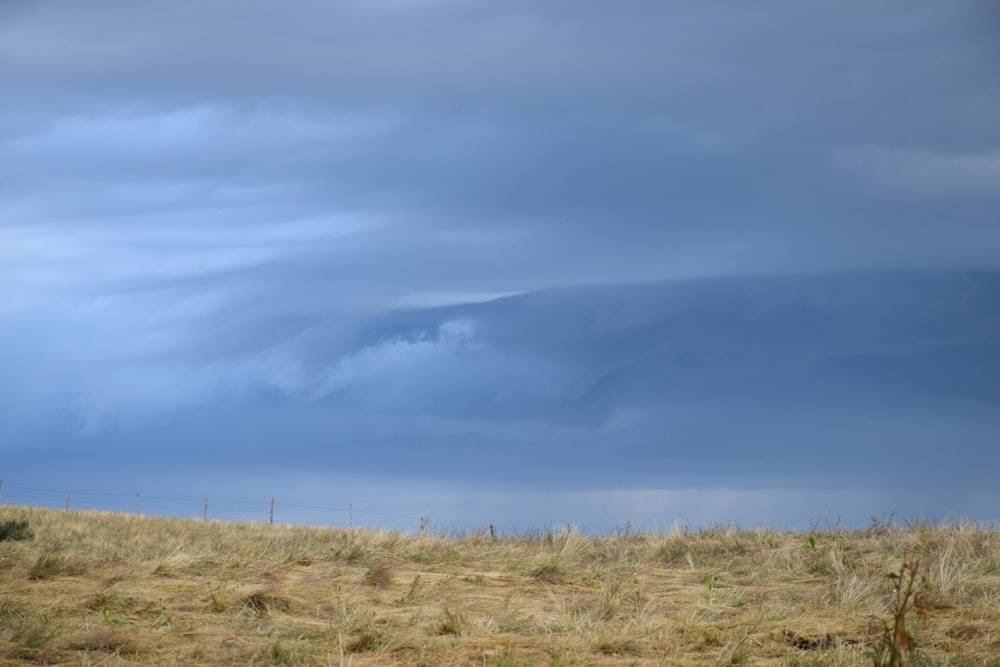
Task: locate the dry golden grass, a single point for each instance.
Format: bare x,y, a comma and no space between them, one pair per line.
110,589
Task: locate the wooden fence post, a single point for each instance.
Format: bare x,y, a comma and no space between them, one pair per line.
206,508
272,510
350,513
67,500
138,504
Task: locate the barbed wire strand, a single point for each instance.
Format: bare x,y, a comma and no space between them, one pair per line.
218,506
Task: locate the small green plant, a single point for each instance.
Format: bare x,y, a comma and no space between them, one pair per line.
111,619
453,622
15,530
709,581
610,601
897,646
811,543
279,655
411,593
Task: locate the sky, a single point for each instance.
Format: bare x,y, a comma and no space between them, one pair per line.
469,262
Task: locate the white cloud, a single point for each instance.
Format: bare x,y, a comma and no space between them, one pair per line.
188,144
395,370
438,299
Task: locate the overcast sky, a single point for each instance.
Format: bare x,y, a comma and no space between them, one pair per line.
515,262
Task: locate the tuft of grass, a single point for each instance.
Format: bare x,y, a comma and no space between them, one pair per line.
617,645
15,530
550,573
561,657
280,655
262,603
507,658
517,625
50,565
217,602
112,640
453,622
379,575
351,553
31,637
370,634
673,553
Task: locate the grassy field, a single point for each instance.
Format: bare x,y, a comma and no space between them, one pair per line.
91,588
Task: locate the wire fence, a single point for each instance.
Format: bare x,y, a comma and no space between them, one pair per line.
207,508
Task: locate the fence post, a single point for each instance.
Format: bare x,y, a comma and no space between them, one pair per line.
138,505
272,510
206,508
67,500
350,513
1,488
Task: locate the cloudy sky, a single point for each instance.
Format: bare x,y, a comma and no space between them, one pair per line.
510,262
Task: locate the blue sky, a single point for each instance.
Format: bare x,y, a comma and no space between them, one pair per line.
521,263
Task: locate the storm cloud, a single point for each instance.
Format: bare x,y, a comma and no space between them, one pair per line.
634,254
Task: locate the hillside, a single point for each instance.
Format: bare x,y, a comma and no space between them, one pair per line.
92,588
